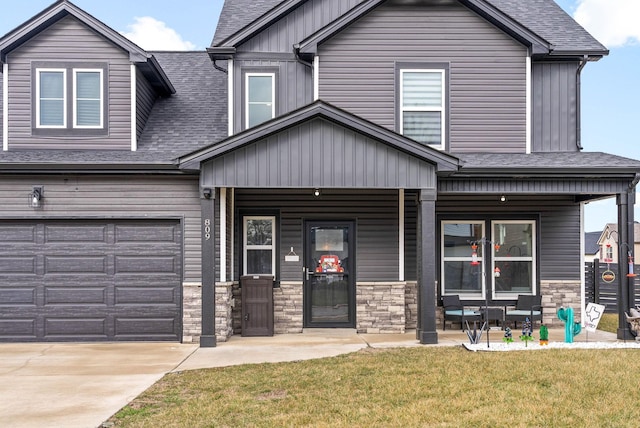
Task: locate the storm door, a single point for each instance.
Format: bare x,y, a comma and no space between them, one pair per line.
329,286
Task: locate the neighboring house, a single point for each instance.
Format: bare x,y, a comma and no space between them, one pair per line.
609,242
368,156
591,247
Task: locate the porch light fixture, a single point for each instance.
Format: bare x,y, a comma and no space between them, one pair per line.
316,193
35,197
206,193
503,199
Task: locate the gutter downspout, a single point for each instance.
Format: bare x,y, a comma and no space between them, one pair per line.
217,67
296,53
578,101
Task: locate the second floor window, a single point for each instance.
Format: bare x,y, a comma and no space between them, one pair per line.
260,98
69,102
422,105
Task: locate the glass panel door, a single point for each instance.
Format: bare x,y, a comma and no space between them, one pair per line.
329,275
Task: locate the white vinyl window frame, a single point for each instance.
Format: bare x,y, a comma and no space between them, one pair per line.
100,100
270,247
247,103
39,98
466,258
504,255
440,108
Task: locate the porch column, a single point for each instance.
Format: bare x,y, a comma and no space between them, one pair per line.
626,240
426,239
207,209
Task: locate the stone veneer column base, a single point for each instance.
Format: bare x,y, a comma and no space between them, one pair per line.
191,312
380,307
288,307
557,293
411,305
224,308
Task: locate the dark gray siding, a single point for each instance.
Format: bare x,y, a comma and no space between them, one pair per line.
375,212
294,85
559,229
1,107
554,113
487,71
91,197
145,97
297,25
318,154
70,41
410,235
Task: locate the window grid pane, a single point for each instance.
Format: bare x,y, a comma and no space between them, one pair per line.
422,105
259,245
88,102
260,98
51,103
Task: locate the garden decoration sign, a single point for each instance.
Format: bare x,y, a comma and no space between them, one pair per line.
594,312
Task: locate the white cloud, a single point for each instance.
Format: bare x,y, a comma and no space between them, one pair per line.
151,34
613,22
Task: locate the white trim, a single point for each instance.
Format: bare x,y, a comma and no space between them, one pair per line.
246,95
230,92
441,109
583,289
528,104
223,234
316,78
134,109
64,97
5,106
401,235
271,247
75,97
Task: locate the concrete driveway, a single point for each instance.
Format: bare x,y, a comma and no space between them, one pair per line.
78,385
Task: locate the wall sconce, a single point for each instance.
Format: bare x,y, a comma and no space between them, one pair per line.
35,197
206,193
316,193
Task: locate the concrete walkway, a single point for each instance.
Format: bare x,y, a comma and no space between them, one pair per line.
83,385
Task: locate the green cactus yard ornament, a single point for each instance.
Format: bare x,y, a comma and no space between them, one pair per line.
571,328
544,335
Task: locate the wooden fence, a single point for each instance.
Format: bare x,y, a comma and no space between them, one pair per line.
602,288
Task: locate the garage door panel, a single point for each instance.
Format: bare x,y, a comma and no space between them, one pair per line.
11,296
17,265
62,234
91,280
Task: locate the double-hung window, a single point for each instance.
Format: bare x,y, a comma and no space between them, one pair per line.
422,105
69,98
260,105
481,256
259,245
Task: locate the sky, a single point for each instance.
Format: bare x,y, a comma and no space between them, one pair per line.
610,87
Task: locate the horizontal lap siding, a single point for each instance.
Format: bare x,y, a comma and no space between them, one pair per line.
487,71
145,98
112,197
69,41
375,212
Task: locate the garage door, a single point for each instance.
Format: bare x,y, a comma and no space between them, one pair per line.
85,280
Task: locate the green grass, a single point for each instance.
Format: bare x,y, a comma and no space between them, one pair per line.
609,322
404,387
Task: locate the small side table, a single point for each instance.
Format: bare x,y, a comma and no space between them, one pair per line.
494,314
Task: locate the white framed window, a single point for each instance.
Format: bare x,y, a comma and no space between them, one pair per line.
462,265
259,245
51,101
260,96
514,256
422,105
88,98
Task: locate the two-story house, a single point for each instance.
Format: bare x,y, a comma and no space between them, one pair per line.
367,156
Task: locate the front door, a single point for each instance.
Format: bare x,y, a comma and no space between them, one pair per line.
329,288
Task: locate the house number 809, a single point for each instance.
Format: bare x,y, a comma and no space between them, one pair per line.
207,229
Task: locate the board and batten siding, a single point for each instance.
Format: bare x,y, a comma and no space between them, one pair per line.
559,230
303,21
554,112
294,86
145,98
487,105
68,40
375,213
118,197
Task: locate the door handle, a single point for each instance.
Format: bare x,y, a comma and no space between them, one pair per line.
308,272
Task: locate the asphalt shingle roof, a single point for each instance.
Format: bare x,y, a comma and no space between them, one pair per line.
560,161
543,17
